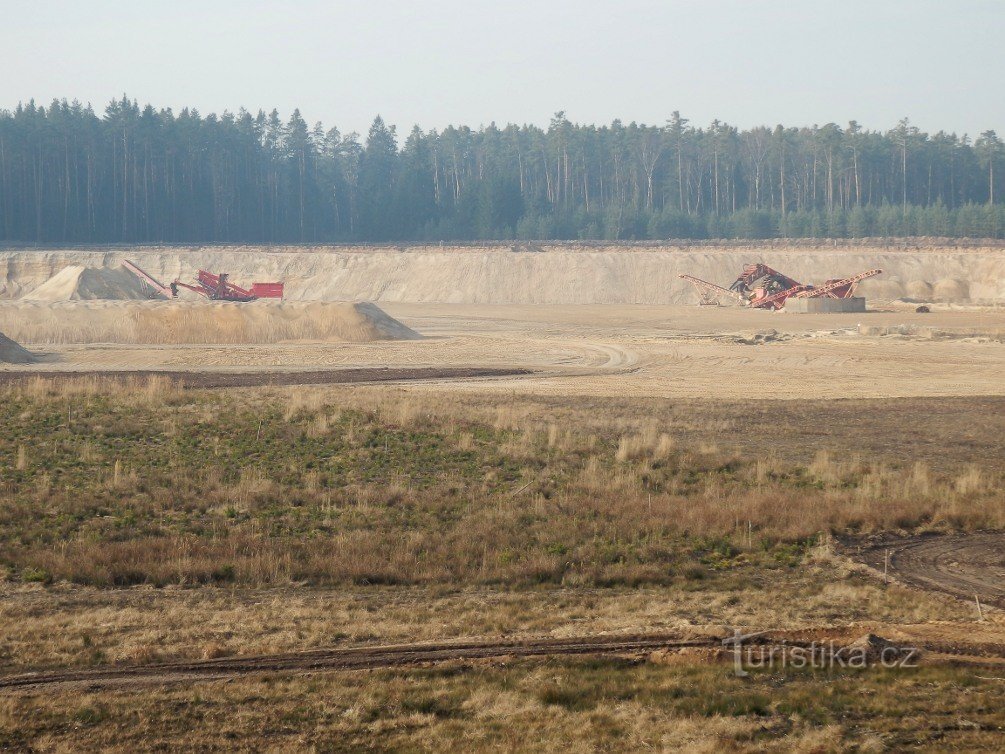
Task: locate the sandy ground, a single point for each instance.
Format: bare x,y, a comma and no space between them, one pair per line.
592,320
636,350
963,565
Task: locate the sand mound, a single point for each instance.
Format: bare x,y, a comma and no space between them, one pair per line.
881,288
12,353
175,322
950,290
919,290
79,283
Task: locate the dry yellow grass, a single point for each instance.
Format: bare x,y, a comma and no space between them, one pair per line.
65,624
285,486
382,486
572,705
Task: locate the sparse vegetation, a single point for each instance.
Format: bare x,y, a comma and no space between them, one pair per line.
145,483
530,705
63,624
319,517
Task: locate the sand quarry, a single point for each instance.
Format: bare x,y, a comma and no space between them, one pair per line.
584,319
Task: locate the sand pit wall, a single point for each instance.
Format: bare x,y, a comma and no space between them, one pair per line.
172,322
538,274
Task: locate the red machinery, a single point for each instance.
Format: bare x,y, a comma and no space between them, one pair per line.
760,275
219,288
761,287
838,288
216,287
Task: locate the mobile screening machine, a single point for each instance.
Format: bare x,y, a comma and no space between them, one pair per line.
211,285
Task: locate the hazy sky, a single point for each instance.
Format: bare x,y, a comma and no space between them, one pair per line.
437,62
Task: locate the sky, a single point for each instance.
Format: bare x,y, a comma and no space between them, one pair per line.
441,62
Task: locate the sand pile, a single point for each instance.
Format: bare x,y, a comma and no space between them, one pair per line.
919,290
881,288
518,274
945,290
176,322
80,283
12,353
950,290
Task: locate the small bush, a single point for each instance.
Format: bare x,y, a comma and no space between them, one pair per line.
36,576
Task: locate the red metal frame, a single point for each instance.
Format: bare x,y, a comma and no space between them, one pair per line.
210,285
267,290
768,295
844,288
752,272
776,300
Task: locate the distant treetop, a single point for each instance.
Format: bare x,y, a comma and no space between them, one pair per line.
138,174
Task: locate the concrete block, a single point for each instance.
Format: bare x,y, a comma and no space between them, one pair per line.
825,305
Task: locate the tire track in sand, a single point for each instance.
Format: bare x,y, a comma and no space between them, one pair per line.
963,565
360,658
938,647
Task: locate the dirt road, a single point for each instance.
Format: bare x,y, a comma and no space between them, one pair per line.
911,643
355,659
258,379
963,565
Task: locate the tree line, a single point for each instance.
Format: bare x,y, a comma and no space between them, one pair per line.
132,174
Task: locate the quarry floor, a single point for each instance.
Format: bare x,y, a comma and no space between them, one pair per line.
633,351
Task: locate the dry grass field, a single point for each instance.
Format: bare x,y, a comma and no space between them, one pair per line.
655,469
614,705
112,485
144,523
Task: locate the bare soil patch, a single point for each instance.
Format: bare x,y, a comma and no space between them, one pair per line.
964,565
576,273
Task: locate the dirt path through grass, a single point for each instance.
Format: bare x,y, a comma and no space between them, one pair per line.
710,647
359,658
